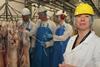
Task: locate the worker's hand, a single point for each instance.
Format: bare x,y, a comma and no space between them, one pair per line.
48,44
26,31
21,29
66,65
48,35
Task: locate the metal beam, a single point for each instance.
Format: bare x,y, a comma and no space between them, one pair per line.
67,4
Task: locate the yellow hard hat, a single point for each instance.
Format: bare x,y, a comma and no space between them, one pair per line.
84,8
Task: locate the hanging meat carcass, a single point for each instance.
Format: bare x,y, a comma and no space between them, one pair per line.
13,42
1,47
3,41
23,51
14,46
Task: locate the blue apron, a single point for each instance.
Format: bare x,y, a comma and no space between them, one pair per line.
41,58
59,48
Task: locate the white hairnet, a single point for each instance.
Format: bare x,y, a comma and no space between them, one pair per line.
25,11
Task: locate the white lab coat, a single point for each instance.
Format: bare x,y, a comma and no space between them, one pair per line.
30,26
87,54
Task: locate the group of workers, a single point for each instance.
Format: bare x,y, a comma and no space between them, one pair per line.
53,45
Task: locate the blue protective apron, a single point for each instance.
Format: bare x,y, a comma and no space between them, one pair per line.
41,58
59,48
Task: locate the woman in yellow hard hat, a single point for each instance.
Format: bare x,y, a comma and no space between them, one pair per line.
83,49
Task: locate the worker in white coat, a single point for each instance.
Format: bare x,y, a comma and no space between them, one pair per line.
83,49
29,26
61,38
26,21
44,31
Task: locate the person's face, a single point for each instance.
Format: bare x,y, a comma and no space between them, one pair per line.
58,18
42,15
25,17
82,22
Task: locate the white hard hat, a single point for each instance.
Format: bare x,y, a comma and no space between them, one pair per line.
61,12
42,9
50,14
25,11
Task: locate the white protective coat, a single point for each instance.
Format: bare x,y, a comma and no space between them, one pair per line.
31,26
67,33
87,54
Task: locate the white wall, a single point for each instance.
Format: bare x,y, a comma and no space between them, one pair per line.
96,26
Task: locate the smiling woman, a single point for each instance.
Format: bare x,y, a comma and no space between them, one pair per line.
81,50
83,22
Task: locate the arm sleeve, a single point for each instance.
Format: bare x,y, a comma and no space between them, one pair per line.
97,54
68,32
34,28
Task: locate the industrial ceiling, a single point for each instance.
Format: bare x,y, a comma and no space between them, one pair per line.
54,5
